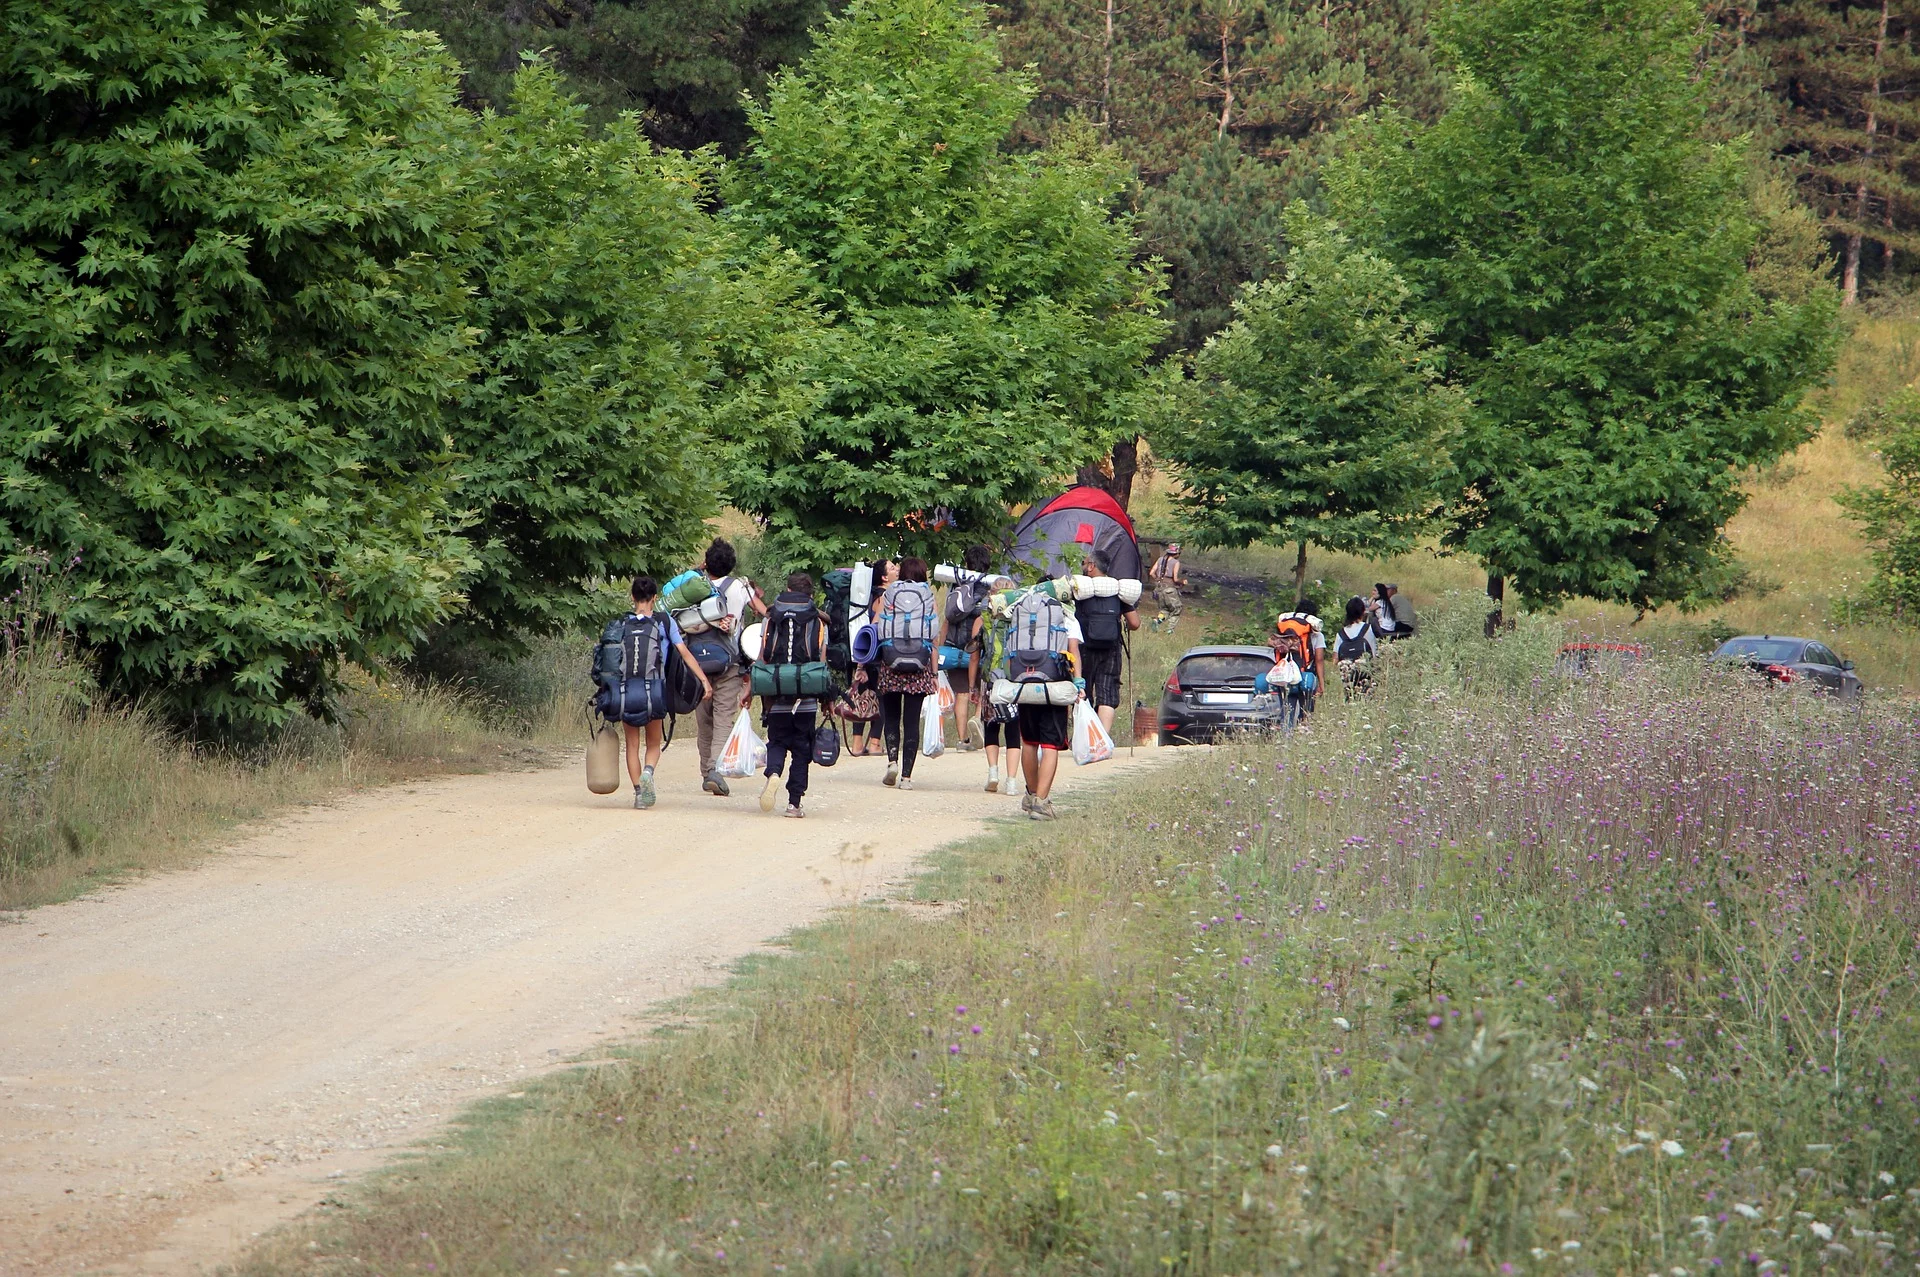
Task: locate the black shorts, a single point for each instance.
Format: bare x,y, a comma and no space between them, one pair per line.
1044,725
959,681
1102,674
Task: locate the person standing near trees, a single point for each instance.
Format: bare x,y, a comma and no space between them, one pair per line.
646,638
1105,620
966,602
714,718
790,720
1168,581
907,675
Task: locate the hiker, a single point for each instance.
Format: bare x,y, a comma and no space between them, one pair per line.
959,641
714,719
1297,638
1393,617
1104,623
907,660
1168,581
863,693
796,633
639,700
999,724
1043,646
1354,647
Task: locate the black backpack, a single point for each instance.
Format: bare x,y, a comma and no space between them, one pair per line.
1348,649
1100,622
714,650
966,599
790,664
684,692
836,588
629,668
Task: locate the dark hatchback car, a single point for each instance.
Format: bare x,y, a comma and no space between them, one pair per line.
1210,692
1792,662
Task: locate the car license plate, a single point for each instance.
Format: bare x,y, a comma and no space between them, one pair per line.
1226,698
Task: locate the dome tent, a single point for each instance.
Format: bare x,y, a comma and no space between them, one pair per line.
1051,536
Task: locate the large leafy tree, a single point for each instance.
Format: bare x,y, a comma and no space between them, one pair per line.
986,328
1583,255
232,301
1318,415
1889,513
599,299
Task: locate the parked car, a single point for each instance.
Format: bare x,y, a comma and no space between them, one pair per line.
1792,662
1579,659
1211,691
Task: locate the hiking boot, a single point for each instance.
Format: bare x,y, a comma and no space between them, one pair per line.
716,784
906,782
770,794
1042,809
643,794
1026,802
794,812
893,773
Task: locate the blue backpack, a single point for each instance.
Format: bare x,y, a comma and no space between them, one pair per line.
629,669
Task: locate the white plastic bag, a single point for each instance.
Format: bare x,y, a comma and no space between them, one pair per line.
944,690
1285,673
933,729
1091,743
744,753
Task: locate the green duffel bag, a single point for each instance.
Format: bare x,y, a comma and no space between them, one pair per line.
815,678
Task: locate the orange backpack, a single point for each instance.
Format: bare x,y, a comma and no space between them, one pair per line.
1293,636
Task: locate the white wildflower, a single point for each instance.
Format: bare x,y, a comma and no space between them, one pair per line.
1820,1230
1745,1211
1569,1247
1671,1148
1624,1149
1886,1177
1675,1070
1648,1136
1587,1083
1340,1022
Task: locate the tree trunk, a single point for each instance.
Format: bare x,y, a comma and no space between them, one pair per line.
1126,465
1850,274
1106,74
1300,573
1226,82
1497,591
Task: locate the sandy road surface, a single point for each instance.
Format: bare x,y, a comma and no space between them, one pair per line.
191,1059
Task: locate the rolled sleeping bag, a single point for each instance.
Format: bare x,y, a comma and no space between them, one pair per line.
1006,692
1128,591
603,757
690,621
866,645
860,593
686,590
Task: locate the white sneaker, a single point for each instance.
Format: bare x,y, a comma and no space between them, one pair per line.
993,783
893,774
906,782
1014,784
770,793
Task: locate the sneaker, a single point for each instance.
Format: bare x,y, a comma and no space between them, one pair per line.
976,733
893,774
1026,802
906,782
794,813
993,784
770,793
643,794
1042,809
1011,787
716,784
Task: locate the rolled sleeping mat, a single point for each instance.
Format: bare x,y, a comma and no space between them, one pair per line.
750,641
866,645
603,757
690,621
1006,692
948,574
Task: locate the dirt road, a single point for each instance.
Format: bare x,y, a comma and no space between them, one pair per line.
188,1060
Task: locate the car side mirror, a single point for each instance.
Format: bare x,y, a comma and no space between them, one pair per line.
1846,665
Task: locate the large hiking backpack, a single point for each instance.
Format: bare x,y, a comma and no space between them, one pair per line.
684,689
906,627
966,599
836,591
1293,636
1037,640
689,589
1100,621
790,664
714,650
629,666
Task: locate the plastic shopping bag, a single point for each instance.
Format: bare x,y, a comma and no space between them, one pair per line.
933,729
1091,743
944,689
744,753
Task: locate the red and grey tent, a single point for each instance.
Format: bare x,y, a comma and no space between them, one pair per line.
1052,536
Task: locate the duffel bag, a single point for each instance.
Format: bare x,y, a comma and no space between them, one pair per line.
814,678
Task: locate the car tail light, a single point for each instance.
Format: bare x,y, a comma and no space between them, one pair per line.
1780,673
1173,683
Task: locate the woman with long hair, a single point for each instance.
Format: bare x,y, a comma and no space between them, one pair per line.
903,691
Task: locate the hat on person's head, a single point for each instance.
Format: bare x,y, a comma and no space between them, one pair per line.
1173,547
1393,587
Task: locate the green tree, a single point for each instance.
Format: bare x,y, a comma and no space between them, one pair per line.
1583,256
1889,513
585,436
683,66
986,327
231,286
1318,415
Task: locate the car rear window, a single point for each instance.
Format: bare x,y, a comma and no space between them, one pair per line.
1223,671
1762,649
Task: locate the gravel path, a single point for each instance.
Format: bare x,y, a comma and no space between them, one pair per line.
188,1060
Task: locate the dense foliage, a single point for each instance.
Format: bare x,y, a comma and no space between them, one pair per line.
1318,414
233,307
987,327
1582,254
1889,513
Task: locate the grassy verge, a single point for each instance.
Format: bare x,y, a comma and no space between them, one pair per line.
1485,975
90,793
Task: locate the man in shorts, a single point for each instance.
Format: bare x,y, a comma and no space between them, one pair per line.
1104,621
713,720
1043,734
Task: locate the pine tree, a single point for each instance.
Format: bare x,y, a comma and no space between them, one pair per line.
1849,75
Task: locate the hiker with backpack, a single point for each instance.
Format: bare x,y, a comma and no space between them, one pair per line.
1354,647
1299,658
791,676
1168,581
904,619
718,653
959,641
999,724
1042,654
634,666
1105,621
